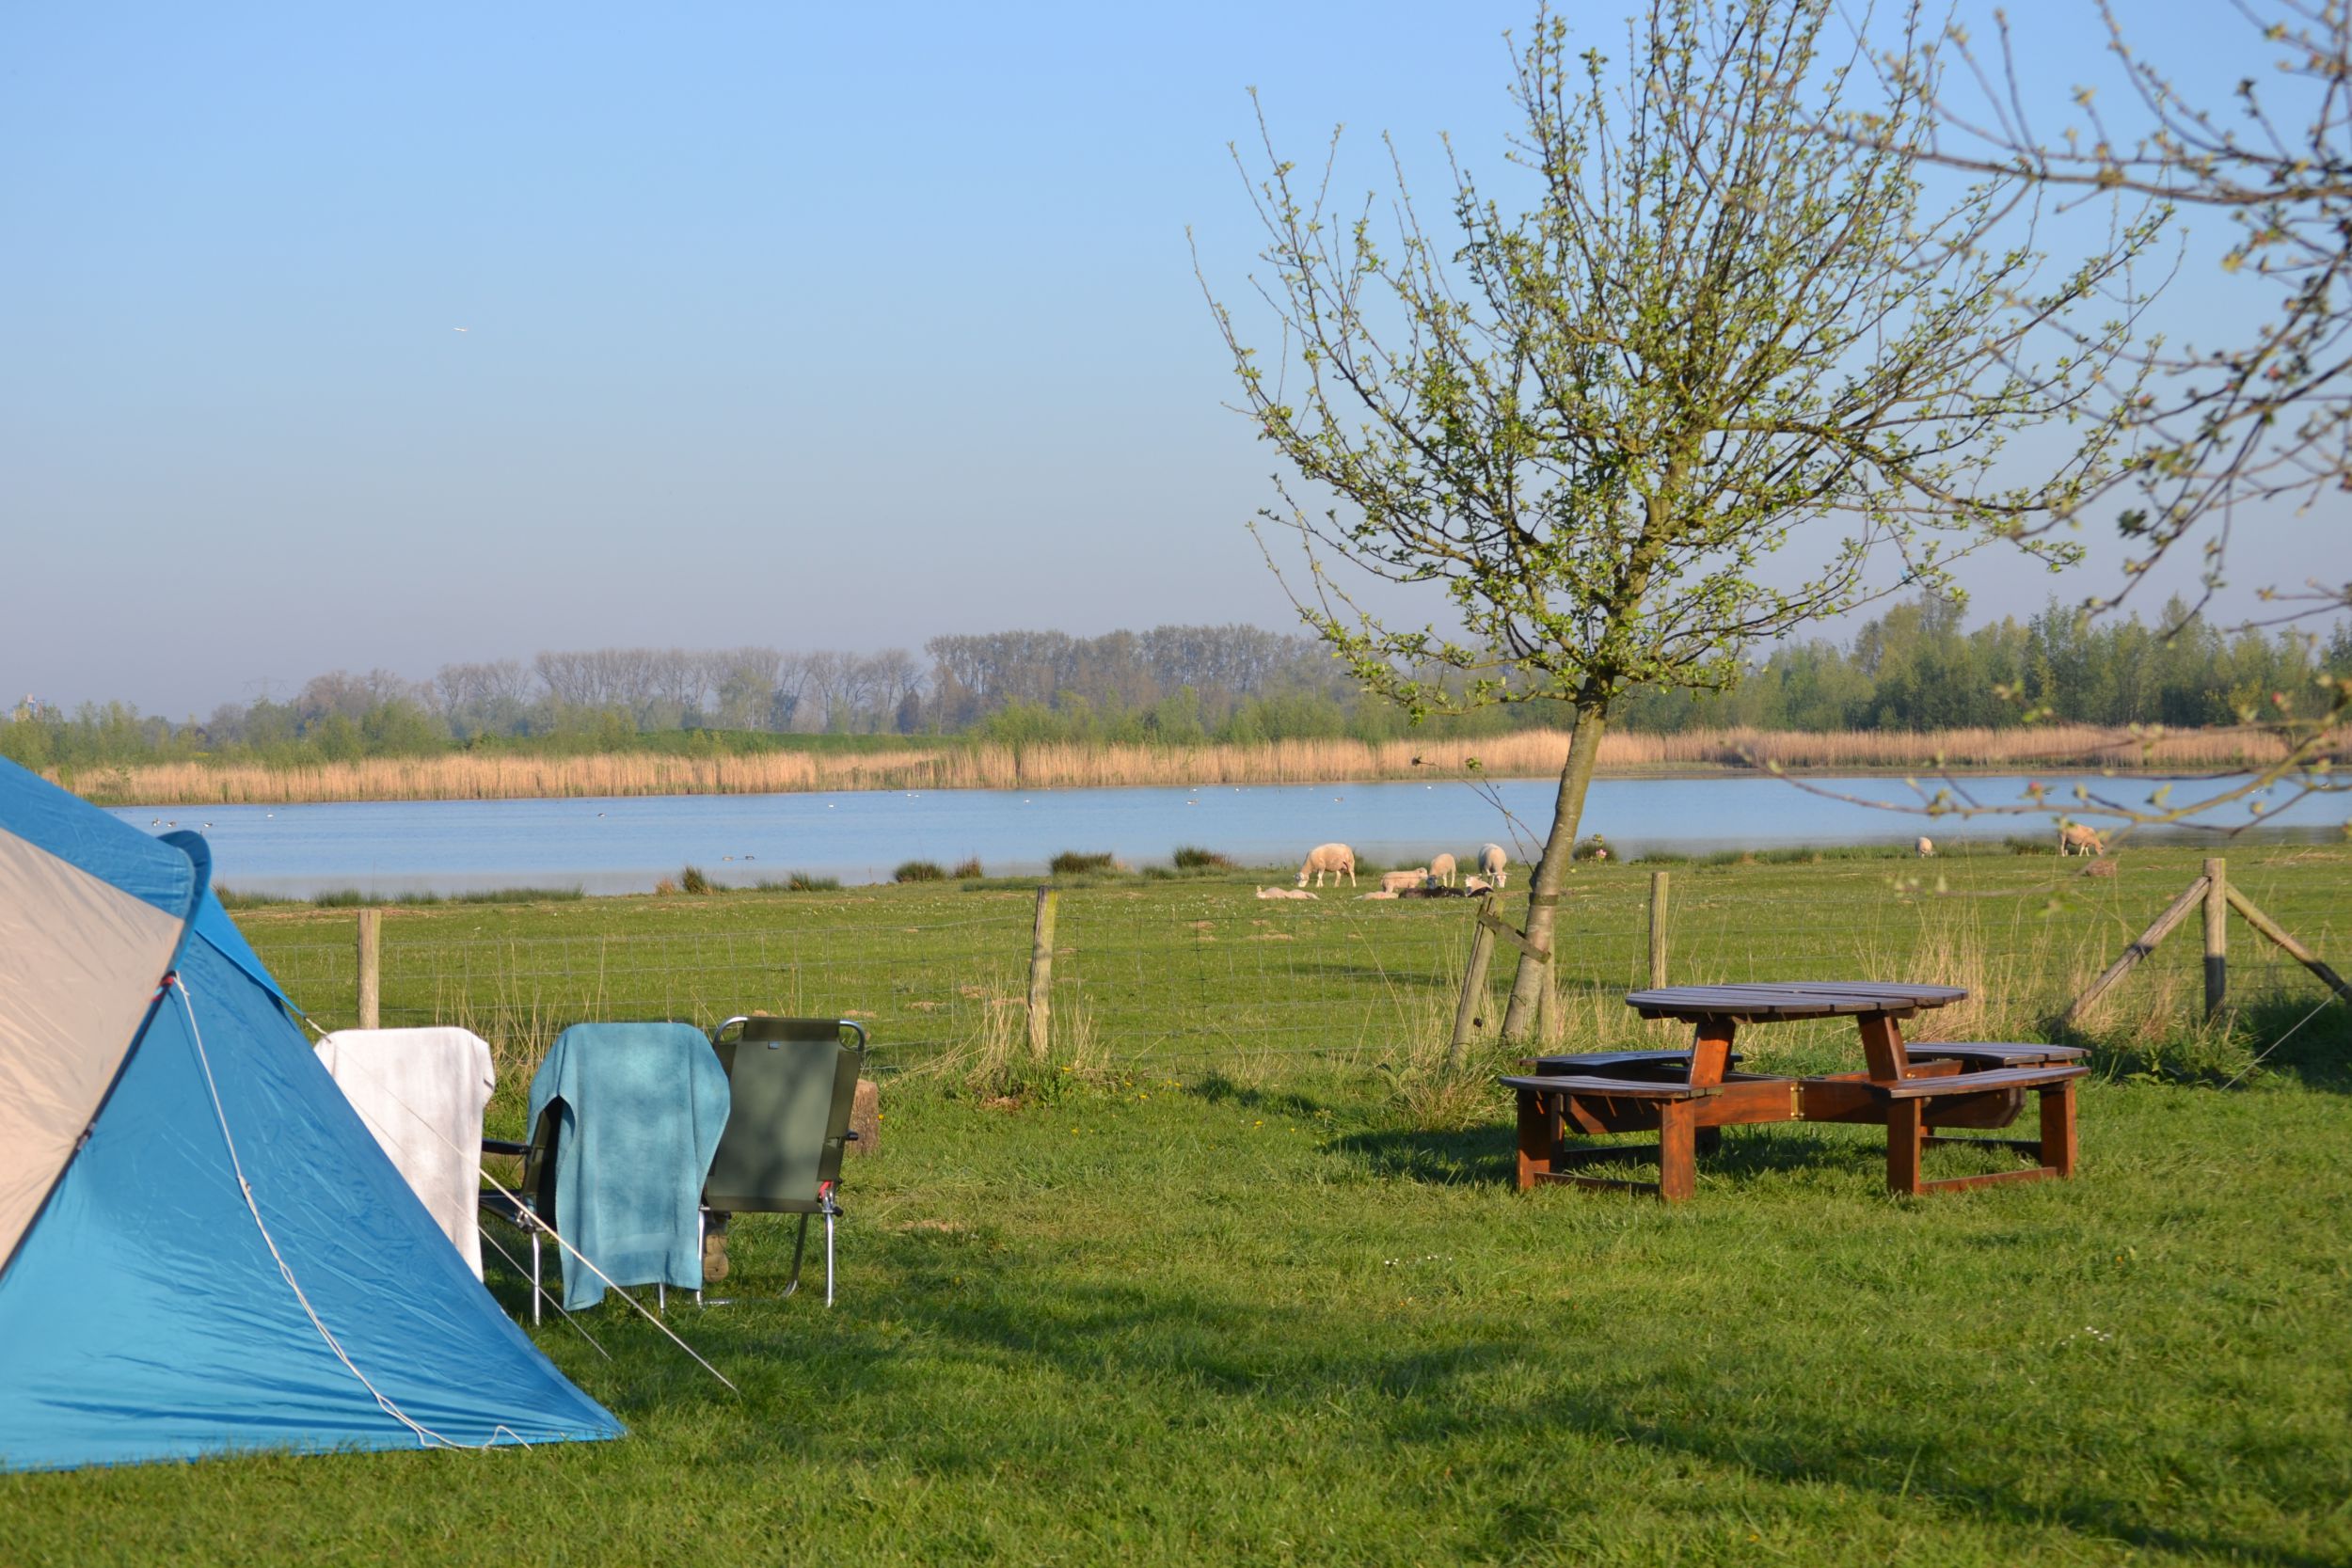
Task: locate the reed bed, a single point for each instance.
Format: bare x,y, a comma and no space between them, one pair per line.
1529,754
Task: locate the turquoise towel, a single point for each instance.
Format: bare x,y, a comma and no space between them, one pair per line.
644,1105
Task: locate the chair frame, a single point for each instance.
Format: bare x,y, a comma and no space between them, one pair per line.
827,1205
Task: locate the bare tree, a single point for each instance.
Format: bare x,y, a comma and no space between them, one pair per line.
1592,424
2218,427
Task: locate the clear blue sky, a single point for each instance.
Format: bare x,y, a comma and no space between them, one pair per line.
832,328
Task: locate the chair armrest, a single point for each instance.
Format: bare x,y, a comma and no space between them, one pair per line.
502,1145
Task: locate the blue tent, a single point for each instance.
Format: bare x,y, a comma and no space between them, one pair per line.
146,1310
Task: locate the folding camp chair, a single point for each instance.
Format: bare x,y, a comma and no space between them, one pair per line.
792,1084
532,1199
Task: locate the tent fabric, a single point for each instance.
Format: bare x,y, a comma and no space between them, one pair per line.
80,955
422,1093
144,1315
643,1107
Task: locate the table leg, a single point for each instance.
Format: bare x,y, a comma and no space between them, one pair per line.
1904,1135
2057,1128
1883,1048
1539,1136
1710,1051
1677,1162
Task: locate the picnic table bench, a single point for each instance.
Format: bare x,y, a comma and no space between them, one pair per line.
1572,1099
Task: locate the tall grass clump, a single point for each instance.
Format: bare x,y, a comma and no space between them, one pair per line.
1074,863
1191,857
692,880
968,868
918,871
801,882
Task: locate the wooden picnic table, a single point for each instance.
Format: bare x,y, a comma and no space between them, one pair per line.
1958,1085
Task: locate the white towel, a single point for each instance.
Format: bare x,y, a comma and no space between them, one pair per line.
422,1092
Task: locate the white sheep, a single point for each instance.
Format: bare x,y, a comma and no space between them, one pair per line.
1338,858
2080,838
1476,884
1441,870
1283,892
1397,881
1491,862
1926,847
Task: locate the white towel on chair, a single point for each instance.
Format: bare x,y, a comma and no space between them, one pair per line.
422,1092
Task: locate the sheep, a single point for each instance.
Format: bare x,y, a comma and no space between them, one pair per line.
1476,884
1338,858
1441,870
2080,838
1925,848
1491,864
1397,881
1283,892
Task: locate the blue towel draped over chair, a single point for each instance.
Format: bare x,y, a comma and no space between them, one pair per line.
642,1105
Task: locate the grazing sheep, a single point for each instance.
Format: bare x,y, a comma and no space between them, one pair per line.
1338,858
2080,838
1397,881
1441,870
1491,862
1925,848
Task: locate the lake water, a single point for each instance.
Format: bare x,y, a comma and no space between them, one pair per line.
625,846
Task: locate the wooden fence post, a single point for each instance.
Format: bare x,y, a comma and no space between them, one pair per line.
2216,937
1466,1016
1657,930
371,967
1042,973
2292,948
2140,948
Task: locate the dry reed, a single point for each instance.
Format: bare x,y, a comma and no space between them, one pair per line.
1531,754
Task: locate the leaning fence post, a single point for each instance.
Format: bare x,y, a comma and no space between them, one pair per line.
370,967
2216,937
1466,1016
1657,930
1042,973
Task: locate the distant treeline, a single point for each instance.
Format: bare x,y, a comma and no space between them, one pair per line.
1916,667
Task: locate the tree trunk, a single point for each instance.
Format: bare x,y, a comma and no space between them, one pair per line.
1543,894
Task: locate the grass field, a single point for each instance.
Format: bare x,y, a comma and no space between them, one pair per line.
1249,1282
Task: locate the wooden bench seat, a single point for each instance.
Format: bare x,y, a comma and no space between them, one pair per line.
1976,1082
1608,1088
1996,1055
1914,1104
1641,1064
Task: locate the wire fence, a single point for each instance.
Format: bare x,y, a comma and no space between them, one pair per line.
1196,974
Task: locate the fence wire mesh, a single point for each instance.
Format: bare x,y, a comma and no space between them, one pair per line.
1188,976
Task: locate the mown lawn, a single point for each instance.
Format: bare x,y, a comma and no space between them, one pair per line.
1285,1306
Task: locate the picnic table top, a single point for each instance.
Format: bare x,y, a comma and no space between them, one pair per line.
1764,1003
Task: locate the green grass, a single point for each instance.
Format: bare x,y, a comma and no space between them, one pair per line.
1233,1293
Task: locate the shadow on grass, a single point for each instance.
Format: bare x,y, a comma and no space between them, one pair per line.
1218,1090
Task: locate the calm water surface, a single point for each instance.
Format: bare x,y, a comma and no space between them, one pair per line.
625,846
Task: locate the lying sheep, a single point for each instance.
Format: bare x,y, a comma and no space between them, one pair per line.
1926,847
1476,884
1283,892
1441,870
1337,859
1491,864
2080,838
1397,881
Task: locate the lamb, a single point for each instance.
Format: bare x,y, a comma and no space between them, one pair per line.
2080,838
1337,859
1925,848
1441,870
1491,862
1476,884
1397,881
1283,892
